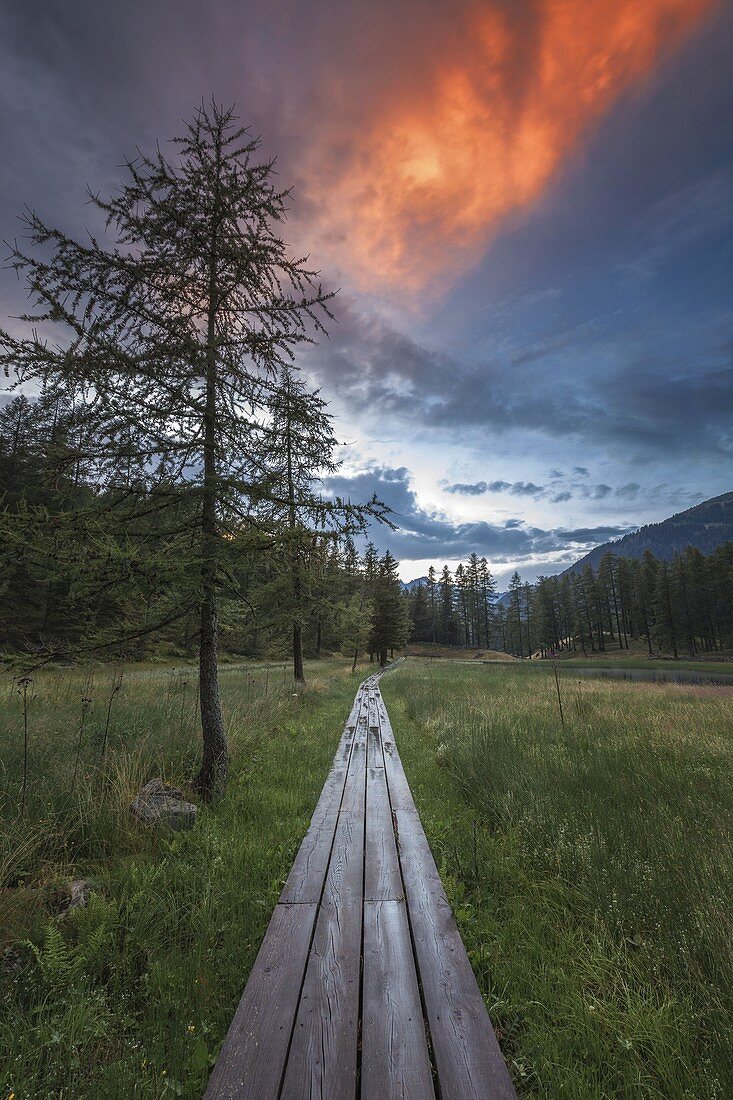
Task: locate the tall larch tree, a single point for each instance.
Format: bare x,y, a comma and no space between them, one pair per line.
167,335
301,453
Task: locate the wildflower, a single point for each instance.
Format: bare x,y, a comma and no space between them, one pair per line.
191,1028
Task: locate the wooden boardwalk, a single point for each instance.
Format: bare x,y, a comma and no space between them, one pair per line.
362,989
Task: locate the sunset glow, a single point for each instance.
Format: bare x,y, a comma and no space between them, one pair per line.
422,188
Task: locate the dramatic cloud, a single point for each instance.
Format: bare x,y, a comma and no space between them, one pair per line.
416,165
537,197
635,402
477,488
424,534
517,488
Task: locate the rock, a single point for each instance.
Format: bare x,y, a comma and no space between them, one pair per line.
11,963
157,803
76,895
61,897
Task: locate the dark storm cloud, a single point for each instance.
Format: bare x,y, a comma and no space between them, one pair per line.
425,534
592,535
476,488
516,488
650,405
603,313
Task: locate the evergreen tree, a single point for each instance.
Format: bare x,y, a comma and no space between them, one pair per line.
447,619
391,623
487,590
665,626
300,454
432,601
169,336
514,618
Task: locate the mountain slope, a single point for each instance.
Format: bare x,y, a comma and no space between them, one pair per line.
706,526
408,586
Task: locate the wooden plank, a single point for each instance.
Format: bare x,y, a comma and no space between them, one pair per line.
382,879
354,789
306,878
331,794
296,1032
256,1044
395,1062
374,747
323,1055
399,789
469,1063
308,873
333,788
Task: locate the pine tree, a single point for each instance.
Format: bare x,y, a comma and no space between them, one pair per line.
300,454
487,589
391,623
432,601
665,626
169,337
515,615
447,619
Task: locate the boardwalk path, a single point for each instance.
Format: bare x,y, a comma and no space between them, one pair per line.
362,989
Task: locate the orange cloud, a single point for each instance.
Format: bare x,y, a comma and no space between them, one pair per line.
407,195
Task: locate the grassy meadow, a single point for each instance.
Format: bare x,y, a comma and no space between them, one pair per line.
131,995
590,868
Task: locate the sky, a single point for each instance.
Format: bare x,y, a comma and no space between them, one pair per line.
526,205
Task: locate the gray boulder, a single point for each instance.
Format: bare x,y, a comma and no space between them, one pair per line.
76,896
157,803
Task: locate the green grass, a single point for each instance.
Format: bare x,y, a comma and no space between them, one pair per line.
131,996
590,869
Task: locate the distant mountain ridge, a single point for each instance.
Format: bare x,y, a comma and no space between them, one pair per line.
705,526
408,586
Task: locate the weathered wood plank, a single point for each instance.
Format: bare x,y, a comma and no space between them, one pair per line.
399,789
382,879
252,1057
374,749
306,878
395,1063
308,873
354,789
323,1055
468,1060
333,788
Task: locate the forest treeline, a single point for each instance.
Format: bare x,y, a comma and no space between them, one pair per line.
679,607
78,579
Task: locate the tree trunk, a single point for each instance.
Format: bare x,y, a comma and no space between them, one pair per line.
356,658
212,775
298,672
211,778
